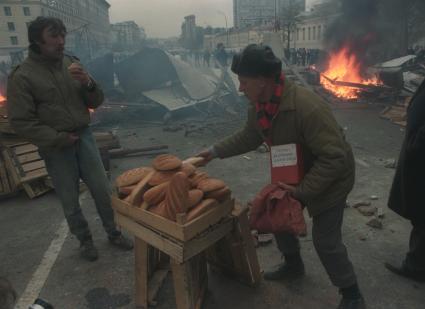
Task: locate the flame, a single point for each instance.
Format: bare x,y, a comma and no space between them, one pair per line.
2,100
345,67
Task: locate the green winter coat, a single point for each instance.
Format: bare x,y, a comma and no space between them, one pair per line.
304,118
45,103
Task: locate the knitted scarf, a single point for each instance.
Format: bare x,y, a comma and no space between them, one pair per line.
266,111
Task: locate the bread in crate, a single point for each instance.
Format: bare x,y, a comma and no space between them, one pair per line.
172,187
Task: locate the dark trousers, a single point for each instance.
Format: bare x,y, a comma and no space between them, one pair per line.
415,258
327,240
66,166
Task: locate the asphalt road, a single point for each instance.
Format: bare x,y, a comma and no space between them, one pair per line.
37,262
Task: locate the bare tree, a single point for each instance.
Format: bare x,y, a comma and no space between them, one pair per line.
289,10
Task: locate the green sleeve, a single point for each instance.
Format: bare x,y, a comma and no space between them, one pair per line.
22,113
324,138
247,139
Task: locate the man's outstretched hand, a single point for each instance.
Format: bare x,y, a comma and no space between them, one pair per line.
208,156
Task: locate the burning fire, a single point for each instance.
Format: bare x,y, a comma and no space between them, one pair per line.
2,100
345,67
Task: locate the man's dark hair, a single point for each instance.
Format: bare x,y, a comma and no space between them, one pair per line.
7,294
37,26
255,61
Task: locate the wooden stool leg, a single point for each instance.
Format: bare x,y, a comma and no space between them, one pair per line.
182,285
190,282
141,268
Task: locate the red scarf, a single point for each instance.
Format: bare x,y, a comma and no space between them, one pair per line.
266,111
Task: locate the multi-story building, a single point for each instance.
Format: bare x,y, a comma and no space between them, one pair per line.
249,13
188,30
310,4
311,25
87,22
126,36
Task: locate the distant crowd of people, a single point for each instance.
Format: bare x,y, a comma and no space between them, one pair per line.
302,56
219,57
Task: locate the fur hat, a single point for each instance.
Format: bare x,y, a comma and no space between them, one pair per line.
256,60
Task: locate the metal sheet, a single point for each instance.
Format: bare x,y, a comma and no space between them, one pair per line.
195,83
396,63
168,98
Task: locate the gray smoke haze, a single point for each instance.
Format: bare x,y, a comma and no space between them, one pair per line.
357,29
163,18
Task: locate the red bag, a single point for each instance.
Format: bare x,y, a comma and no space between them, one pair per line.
274,210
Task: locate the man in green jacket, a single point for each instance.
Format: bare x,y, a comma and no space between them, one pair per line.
281,113
49,96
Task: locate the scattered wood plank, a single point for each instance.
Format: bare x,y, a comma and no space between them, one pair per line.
122,152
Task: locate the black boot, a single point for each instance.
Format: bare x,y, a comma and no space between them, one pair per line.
88,251
351,298
406,272
118,240
292,268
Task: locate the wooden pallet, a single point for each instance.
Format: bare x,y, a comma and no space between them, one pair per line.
27,168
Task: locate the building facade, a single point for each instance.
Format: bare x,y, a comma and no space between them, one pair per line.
126,36
312,25
87,22
248,13
188,33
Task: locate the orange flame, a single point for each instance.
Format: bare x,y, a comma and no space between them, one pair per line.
345,67
2,100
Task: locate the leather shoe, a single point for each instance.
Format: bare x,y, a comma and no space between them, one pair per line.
406,272
88,251
286,271
121,242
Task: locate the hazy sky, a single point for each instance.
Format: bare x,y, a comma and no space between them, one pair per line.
163,18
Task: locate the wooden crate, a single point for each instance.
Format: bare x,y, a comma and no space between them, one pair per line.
26,167
178,250
235,254
182,232
7,185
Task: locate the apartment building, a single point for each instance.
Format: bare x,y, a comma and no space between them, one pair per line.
126,35
87,22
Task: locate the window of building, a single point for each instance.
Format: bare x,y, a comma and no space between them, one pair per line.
298,34
314,33
309,33
11,26
303,34
7,11
14,40
27,11
319,32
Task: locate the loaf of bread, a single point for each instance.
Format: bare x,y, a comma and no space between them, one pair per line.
201,208
156,194
132,177
126,190
197,177
211,184
166,162
177,193
136,196
188,169
195,196
220,194
163,210
160,177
